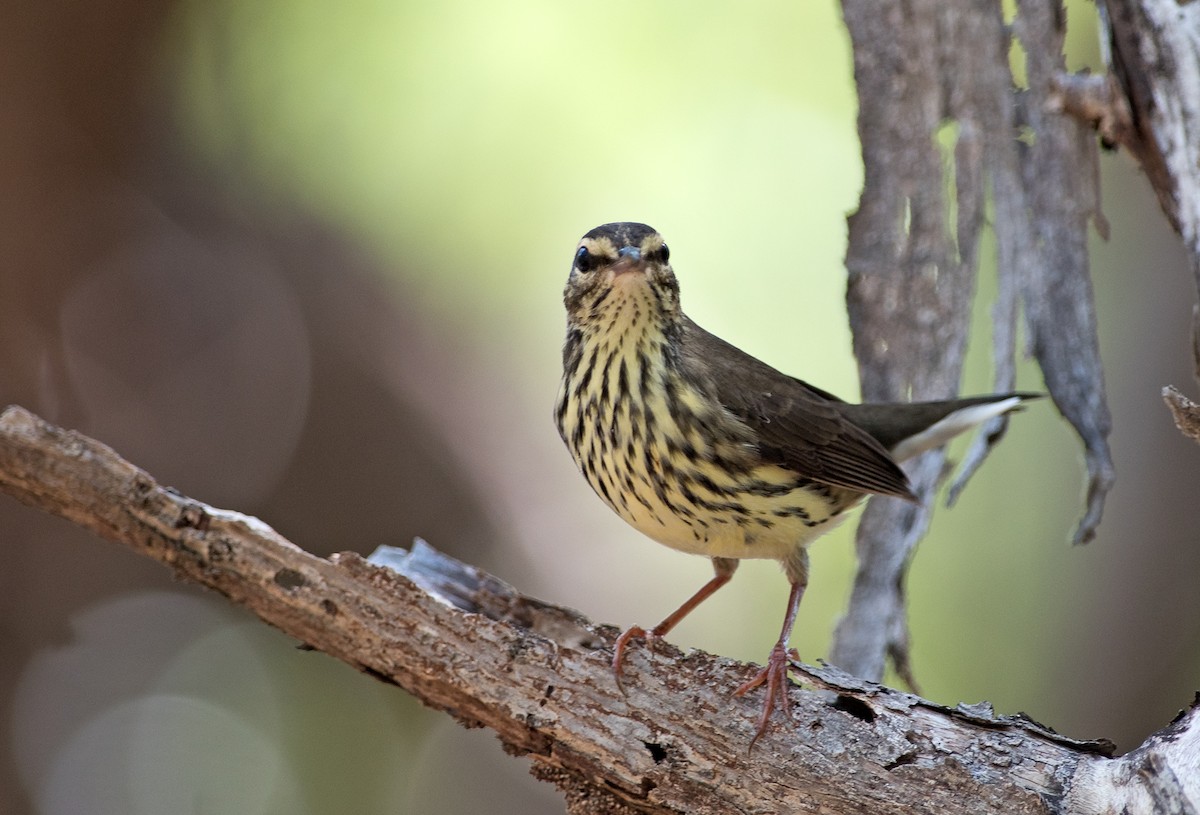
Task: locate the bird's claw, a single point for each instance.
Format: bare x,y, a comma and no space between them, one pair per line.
635,632
775,676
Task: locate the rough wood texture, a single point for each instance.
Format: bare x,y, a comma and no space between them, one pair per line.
1154,51
538,675
1184,411
940,119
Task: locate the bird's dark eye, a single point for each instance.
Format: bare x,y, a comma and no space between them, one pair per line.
584,261
660,255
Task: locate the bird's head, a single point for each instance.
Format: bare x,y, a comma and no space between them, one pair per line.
621,274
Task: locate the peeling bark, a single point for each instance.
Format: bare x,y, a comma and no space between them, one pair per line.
945,136
1154,52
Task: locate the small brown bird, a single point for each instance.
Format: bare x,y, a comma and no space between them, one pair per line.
706,449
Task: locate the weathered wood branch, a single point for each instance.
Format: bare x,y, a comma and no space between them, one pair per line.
947,137
1154,56
538,675
1184,411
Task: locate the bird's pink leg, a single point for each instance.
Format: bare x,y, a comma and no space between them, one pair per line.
724,568
775,674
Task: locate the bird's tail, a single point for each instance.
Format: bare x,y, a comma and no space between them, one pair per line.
907,430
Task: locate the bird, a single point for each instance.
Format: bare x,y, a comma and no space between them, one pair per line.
710,451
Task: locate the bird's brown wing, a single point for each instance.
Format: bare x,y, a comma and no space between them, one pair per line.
798,426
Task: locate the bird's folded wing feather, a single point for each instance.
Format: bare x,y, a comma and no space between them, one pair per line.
797,425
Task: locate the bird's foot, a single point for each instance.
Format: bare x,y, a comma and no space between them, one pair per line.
775,677
636,632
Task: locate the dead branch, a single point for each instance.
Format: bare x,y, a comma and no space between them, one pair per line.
1154,55
1184,411
538,675
941,123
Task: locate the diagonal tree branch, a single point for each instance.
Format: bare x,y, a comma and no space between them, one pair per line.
538,675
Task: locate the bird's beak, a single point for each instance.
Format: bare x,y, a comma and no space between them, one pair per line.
629,260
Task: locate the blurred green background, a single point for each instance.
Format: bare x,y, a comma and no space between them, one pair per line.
306,261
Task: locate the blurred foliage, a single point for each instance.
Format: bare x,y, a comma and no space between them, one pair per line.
471,146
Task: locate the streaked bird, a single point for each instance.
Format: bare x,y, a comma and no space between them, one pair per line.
708,450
